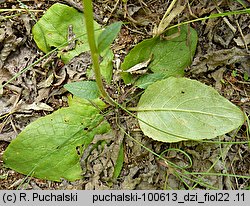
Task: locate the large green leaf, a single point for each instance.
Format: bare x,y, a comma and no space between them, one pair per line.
52,30
170,56
47,148
176,109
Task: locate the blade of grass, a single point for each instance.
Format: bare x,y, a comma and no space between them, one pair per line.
182,172
212,16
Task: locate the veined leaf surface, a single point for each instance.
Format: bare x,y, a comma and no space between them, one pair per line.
170,56
83,89
47,148
176,109
53,29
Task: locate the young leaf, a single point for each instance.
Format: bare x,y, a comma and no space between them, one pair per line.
177,109
144,81
46,148
119,162
106,66
108,35
170,56
83,89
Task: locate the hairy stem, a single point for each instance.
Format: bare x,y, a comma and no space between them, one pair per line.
89,21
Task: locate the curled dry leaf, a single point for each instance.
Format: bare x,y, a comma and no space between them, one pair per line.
35,106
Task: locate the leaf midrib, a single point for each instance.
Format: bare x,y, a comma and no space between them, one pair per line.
138,109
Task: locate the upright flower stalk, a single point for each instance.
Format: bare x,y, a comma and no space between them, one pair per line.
89,21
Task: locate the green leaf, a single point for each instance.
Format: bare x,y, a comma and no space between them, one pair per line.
170,57
83,89
51,31
119,162
77,100
176,109
108,35
106,66
47,148
144,81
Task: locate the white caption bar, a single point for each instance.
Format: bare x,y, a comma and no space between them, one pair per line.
123,198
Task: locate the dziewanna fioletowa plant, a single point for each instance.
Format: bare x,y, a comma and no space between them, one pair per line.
171,109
